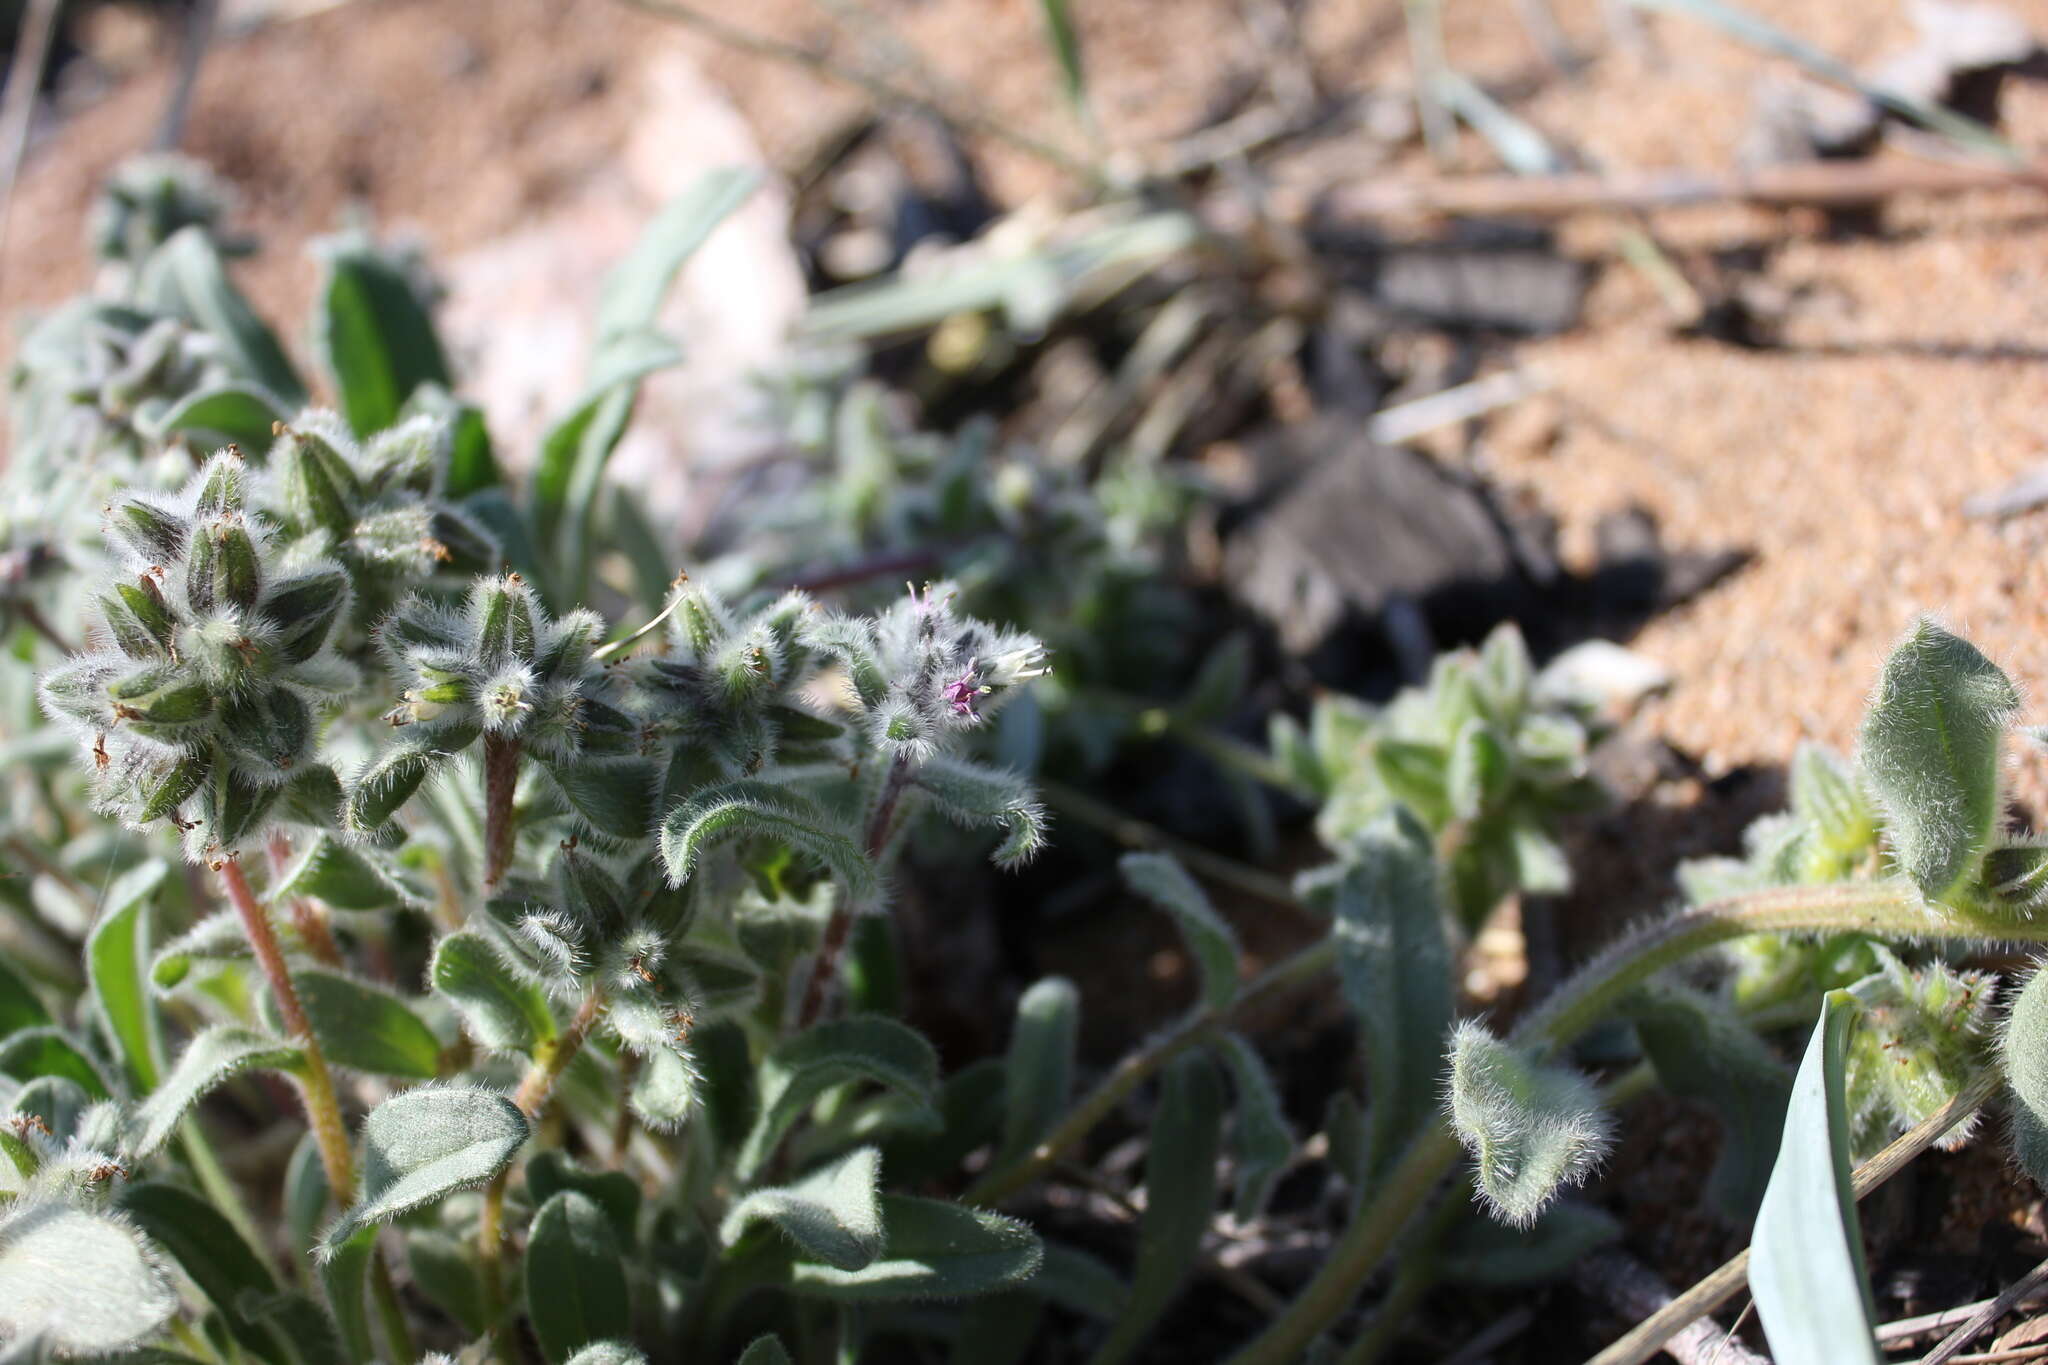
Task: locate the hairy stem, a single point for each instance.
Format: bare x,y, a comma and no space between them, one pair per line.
825,967
501,783
309,919
1881,909
550,1060
316,1083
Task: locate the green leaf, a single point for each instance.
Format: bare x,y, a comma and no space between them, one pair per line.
304,1206
932,1250
86,1282
443,1270
1930,751
2024,1049
1264,1142
367,1029
1701,1052
344,1268
765,1350
1080,1283
345,877
575,1279
633,290
1530,1127
616,795
216,939
617,1193
1039,1071
1806,1267
748,808
58,1101
832,1213
609,1353
1394,960
20,1007
1209,939
209,1250
973,794
861,1047
1065,43
1481,770
425,1144
114,955
51,1052
503,1010
668,1089
208,1061
187,278
372,334
1220,682
1482,1252
238,414
1180,1198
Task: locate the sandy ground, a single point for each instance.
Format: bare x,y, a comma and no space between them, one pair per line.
1909,375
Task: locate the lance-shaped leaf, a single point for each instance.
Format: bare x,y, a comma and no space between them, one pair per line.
1701,1052
344,1269
1264,1142
209,1060
1806,1267
1531,1128
575,1279
86,1283
668,1088
51,1052
502,1009
863,1047
187,278
217,938
748,808
617,1193
58,1101
391,780
345,877
2024,1049
616,795
114,958
1395,963
444,1270
372,334
20,1007
765,1351
1210,941
1039,1071
1930,749
422,1145
1180,1198
366,1029
238,414
931,1250
209,1250
833,1214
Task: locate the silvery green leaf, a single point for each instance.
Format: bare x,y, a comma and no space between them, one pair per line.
20,1006
1504,676
575,1279
1530,1127
974,794
58,1101
209,1060
85,1282
1394,960
444,1270
1806,1267
1259,1132
862,1047
931,1250
1481,770
615,795
1930,752
186,278
2024,1050
238,413
425,1144
1180,1198
613,1191
748,808
1702,1052
1210,941
114,958
833,1213
502,1009
1039,1070
217,938
668,1088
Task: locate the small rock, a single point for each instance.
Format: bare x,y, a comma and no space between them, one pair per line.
1602,675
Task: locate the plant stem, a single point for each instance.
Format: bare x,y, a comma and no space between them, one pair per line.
316,1083
1136,833
825,967
391,1313
1139,1066
307,918
550,1060
1881,909
501,784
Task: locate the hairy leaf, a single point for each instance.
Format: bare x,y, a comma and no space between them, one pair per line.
1039,1071
2024,1050
745,809
1930,749
575,1279
367,1029
1264,1142
425,1144
932,1250
833,1214
51,1052
114,958
1210,940
207,1247
372,333
502,1009
86,1282
862,1047
1531,1127
209,1060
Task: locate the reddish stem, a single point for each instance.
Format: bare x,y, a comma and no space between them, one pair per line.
825,968
501,783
